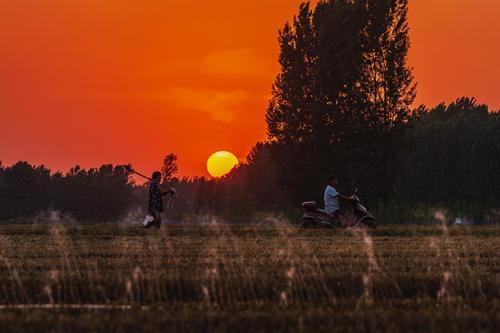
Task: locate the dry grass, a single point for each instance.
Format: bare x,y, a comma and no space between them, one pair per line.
236,278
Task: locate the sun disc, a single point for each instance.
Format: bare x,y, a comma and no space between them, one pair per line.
221,163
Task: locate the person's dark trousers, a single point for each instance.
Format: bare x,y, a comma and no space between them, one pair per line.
157,220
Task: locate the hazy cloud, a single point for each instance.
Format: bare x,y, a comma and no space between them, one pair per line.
238,62
220,105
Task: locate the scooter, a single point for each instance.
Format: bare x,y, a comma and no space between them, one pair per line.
316,217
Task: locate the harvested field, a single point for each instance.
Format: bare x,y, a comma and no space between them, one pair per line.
111,278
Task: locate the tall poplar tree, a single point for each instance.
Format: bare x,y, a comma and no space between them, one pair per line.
342,95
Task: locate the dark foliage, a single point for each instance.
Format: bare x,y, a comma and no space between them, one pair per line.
169,167
102,194
452,156
342,97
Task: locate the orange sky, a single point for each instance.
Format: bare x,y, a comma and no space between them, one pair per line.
91,81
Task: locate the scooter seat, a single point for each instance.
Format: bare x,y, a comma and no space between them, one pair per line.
310,205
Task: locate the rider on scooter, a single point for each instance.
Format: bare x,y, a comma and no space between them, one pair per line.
331,199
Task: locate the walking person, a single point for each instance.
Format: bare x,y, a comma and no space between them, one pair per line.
155,204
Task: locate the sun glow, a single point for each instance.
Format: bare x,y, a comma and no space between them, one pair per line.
221,163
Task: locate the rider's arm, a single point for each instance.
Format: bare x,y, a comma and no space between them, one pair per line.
343,197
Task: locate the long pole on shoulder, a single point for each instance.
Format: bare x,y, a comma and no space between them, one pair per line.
129,169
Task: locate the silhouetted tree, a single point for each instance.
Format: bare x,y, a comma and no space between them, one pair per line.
169,167
293,104
342,97
23,189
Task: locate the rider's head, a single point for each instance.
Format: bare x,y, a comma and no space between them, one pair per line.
332,180
156,176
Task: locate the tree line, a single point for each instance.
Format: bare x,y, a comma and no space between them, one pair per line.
448,157
102,194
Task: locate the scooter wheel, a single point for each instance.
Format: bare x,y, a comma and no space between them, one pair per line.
307,224
367,224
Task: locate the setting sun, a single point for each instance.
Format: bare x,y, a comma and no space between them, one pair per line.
221,163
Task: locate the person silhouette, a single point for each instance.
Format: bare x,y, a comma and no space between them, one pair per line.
155,204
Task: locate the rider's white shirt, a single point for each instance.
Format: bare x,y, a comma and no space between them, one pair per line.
331,200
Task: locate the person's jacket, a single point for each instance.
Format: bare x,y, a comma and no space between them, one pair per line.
155,198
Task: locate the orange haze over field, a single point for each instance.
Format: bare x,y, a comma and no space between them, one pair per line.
89,81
